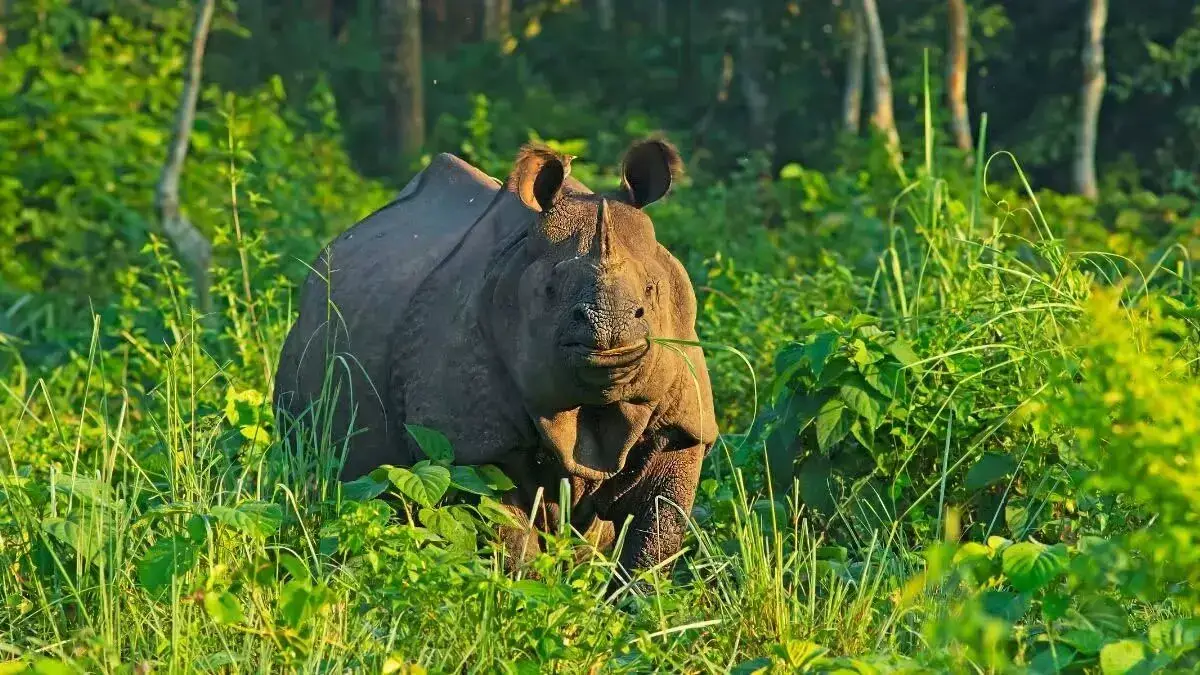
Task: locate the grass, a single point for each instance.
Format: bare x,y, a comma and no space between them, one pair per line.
152,520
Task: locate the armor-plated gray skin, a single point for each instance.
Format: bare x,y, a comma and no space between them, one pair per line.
515,319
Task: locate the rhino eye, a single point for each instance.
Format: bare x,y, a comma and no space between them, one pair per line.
549,290
649,290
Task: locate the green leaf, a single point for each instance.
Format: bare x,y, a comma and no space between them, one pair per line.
990,468
443,523
1175,635
1118,658
1004,605
531,589
495,512
432,442
363,488
223,607
832,425
257,519
298,601
817,351
758,666
854,393
424,484
85,542
495,478
1030,565
883,376
1088,642
244,408
1052,660
168,558
903,352
467,479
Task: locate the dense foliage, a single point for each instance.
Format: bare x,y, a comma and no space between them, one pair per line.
959,415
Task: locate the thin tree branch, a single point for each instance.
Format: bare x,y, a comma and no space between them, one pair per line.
190,244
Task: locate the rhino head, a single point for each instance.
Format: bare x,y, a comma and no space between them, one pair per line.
578,306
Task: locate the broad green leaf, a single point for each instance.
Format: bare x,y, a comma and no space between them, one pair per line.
1104,613
1118,658
432,442
758,666
244,407
495,478
13,667
838,553
1175,635
817,351
854,393
495,512
1053,660
424,484
168,558
1004,605
257,519
1030,565
883,376
223,607
800,654
86,542
832,425
52,667
256,434
443,523
531,589
467,479
990,468
903,352
298,601
1088,642
363,488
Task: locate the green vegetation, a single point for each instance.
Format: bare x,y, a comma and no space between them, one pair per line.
960,415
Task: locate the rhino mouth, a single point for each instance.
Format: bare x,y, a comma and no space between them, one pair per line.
616,358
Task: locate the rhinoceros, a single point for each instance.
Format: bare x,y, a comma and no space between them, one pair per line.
522,320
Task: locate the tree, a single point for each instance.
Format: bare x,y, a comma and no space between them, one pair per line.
853,95
497,20
956,74
404,117
883,117
605,14
189,243
1092,95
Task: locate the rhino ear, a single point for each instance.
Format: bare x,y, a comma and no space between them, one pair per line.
649,169
538,175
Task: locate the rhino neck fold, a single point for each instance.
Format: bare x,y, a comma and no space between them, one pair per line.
593,442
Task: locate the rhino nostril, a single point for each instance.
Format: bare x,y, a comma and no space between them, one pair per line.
580,314
639,313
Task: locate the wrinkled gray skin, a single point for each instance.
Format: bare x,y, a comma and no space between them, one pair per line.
514,318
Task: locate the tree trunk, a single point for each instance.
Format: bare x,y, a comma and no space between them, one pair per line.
3,26
497,20
605,14
882,115
855,60
189,243
956,74
400,27
1093,94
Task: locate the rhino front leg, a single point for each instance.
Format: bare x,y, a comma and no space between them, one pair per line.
659,505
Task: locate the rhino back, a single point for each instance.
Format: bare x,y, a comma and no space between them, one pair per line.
373,270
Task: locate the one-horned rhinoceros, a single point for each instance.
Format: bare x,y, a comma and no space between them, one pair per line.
517,319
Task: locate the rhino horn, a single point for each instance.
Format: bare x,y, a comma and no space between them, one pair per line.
604,244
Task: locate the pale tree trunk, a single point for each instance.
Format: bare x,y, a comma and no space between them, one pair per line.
497,20
189,243
855,61
883,117
1093,94
605,14
405,99
956,74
